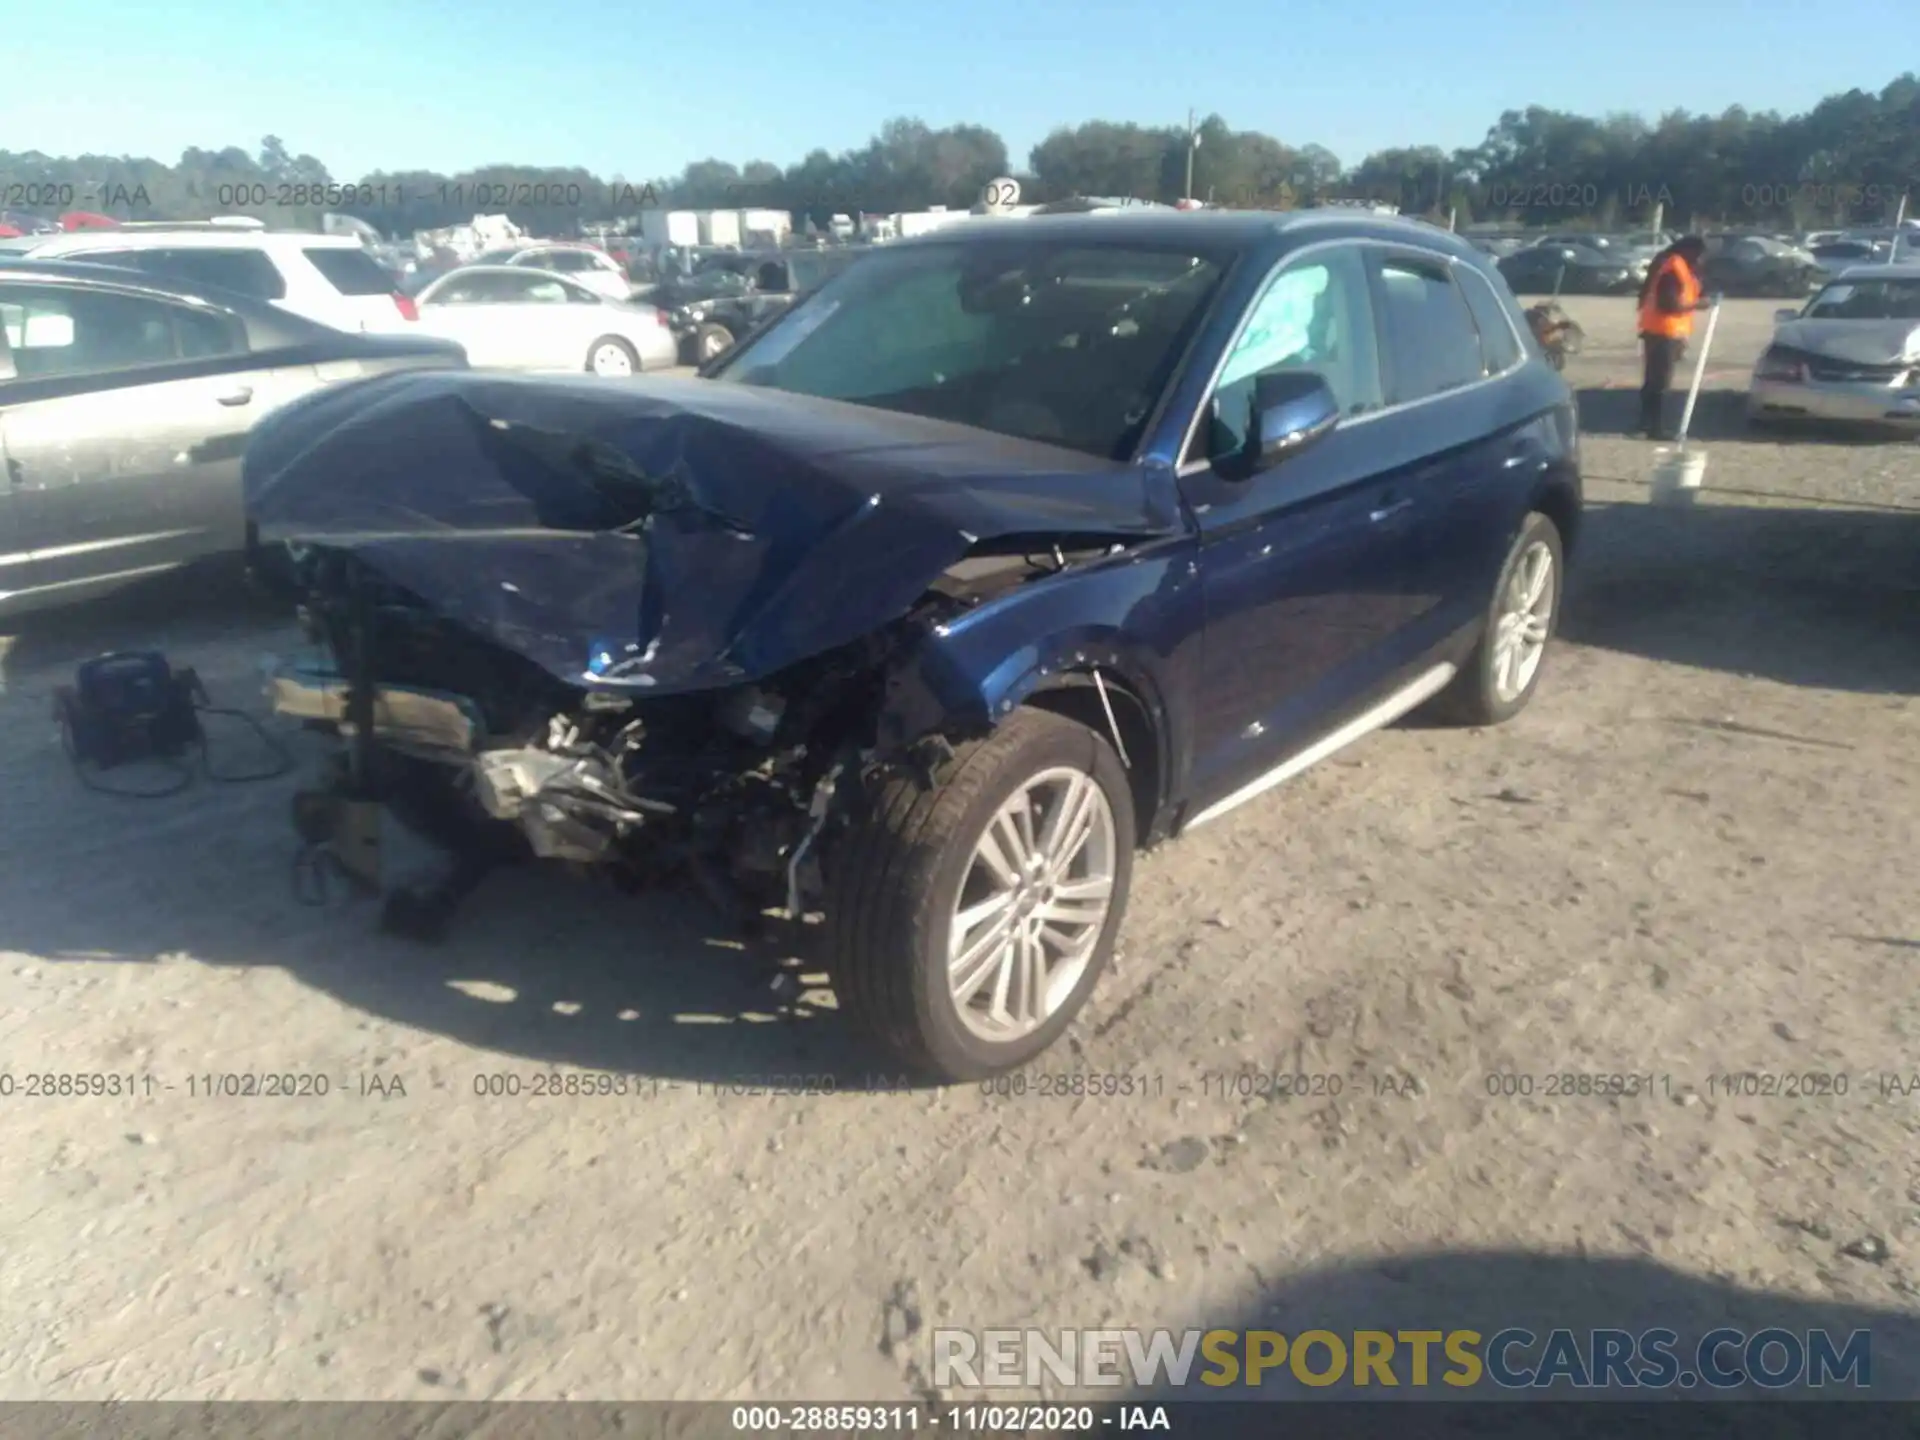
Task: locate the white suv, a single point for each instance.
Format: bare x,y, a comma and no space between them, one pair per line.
326,278
582,264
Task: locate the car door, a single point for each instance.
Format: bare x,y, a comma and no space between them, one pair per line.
123,426
1304,566
465,308
541,322
1450,344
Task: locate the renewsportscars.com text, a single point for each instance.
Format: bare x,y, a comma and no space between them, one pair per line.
1509,1359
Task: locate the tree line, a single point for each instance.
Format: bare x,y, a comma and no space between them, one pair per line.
1848,160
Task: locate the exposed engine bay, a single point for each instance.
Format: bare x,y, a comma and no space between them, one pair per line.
487,754
647,630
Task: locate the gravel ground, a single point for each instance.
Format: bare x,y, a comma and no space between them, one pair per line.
1691,856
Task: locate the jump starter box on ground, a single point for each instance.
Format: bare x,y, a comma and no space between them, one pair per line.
127,707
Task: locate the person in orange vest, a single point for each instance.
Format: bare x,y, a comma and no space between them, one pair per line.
1669,299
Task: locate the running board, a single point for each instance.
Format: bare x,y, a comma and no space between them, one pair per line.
1422,689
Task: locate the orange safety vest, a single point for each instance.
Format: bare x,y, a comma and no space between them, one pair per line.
1654,320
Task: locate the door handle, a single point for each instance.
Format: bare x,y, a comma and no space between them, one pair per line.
1388,511
238,396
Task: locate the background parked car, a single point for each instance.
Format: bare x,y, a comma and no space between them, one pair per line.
1758,265
1570,269
583,264
326,278
125,403
1852,353
514,317
730,294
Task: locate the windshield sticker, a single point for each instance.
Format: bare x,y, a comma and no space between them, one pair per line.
1281,328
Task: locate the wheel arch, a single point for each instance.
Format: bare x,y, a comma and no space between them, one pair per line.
1078,675
1104,700
1558,498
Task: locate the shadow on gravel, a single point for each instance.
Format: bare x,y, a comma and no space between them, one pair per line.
1828,598
1717,415
1503,1291
540,965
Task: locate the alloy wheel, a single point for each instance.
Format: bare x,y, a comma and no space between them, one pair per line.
1032,905
1526,620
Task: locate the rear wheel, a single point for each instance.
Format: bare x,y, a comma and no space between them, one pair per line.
970,921
610,355
1504,669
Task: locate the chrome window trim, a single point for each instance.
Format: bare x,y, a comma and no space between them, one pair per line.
1185,468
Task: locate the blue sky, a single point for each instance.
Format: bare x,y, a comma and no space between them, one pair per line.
641,89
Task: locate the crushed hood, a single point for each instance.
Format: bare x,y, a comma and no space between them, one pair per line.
1856,342
663,534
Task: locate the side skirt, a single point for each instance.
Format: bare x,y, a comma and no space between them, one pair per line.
1423,688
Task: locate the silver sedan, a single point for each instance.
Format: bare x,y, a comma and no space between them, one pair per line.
512,317
1852,355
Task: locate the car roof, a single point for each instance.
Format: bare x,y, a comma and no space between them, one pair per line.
158,239
517,271
1211,229
1857,273
122,280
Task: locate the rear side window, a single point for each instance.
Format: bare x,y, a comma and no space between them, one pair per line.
1432,344
1499,345
245,272
58,331
350,271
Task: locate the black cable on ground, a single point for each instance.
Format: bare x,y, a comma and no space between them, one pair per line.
185,773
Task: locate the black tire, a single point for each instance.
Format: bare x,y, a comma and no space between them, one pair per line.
893,884
710,342
617,343
1473,696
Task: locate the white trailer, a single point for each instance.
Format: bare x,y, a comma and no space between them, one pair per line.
766,227
720,227
925,222
679,228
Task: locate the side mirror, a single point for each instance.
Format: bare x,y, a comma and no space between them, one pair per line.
1780,317
1294,409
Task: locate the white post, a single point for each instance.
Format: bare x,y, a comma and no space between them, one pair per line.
1699,373
1453,215
1659,213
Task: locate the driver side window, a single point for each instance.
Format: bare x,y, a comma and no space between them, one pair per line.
1315,314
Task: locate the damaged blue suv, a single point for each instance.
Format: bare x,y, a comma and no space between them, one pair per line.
1007,553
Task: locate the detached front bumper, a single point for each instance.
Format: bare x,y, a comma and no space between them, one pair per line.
1846,402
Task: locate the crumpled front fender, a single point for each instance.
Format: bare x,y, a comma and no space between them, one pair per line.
1133,617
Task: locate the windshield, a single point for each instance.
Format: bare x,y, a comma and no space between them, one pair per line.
1868,300
1071,345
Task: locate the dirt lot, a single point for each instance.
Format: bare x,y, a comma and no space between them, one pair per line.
1692,856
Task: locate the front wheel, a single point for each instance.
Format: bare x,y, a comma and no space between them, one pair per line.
1500,676
969,921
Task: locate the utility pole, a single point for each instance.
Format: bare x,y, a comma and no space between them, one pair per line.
1193,144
